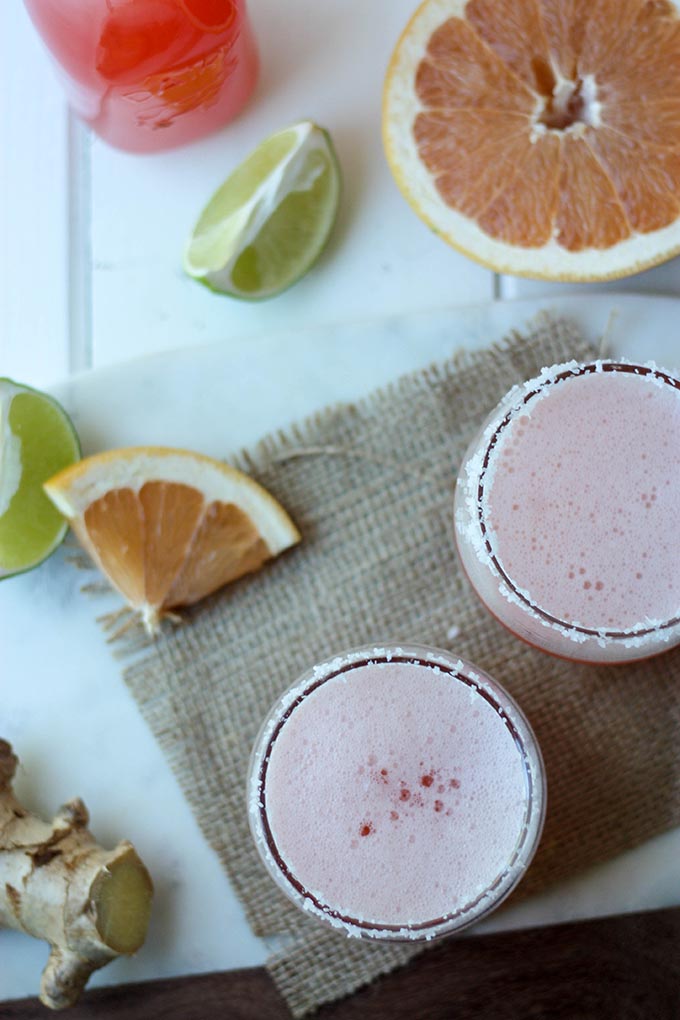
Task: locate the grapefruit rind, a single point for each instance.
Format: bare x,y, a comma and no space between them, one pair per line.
75,488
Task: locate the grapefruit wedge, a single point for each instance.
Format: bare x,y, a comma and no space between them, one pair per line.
168,527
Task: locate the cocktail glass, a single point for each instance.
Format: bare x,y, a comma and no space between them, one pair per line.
396,793
566,511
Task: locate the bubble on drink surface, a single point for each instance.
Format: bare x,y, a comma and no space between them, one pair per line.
424,836
599,500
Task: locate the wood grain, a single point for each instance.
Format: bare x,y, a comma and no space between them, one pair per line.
35,193
623,968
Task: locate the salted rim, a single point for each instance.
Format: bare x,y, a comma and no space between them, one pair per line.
534,389
516,723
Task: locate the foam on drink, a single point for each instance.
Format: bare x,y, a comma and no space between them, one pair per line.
397,792
570,501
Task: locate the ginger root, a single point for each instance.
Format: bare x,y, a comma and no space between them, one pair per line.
57,884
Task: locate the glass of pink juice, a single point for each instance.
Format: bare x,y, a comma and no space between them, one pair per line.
396,793
151,74
567,511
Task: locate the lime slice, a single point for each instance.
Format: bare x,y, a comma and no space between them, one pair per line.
37,439
268,223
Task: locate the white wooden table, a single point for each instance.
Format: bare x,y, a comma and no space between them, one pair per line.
90,276
92,239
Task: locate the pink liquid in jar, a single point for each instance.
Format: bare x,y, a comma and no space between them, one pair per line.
396,793
567,507
148,75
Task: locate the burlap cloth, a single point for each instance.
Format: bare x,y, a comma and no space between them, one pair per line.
371,489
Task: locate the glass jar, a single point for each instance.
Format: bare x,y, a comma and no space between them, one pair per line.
148,75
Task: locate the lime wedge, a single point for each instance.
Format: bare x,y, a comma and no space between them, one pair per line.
268,223
36,440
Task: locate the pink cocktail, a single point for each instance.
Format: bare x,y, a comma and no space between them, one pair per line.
151,74
567,511
396,793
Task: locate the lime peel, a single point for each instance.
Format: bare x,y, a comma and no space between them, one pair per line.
37,438
10,448
268,223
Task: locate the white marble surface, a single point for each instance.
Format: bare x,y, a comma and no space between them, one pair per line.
64,704
89,277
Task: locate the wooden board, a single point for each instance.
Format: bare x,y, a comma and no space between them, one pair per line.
622,968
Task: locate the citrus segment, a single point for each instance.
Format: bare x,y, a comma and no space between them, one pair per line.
565,23
168,527
660,126
170,515
482,139
36,439
268,223
514,31
522,215
617,28
590,214
226,544
645,60
111,529
651,200
542,137
460,72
